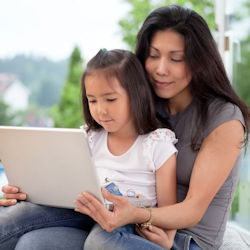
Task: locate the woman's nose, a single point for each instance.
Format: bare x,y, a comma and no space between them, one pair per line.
162,67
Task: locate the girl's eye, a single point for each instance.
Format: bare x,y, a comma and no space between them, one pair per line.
111,99
92,101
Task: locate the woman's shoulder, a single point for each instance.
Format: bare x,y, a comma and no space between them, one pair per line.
223,110
220,111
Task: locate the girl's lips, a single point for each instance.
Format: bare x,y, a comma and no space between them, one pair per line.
106,121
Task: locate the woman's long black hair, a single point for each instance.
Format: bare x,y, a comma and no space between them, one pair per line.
209,78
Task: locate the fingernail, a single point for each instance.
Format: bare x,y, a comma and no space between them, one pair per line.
13,201
23,196
14,190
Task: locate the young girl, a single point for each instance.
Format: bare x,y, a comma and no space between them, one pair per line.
131,160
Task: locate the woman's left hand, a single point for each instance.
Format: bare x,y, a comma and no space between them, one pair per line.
109,220
156,235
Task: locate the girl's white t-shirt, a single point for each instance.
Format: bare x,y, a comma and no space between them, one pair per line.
134,171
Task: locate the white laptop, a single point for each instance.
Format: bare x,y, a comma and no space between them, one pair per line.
51,165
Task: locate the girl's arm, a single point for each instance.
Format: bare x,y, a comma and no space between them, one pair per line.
166,195
215,160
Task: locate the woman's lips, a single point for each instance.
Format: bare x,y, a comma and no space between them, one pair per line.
162,84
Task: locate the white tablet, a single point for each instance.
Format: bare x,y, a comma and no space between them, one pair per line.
51,165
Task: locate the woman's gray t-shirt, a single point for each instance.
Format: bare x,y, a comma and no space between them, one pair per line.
208,233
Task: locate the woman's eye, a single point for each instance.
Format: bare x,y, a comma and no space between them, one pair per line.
92,101
177,60
111,99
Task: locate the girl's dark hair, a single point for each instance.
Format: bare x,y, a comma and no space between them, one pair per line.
209,78
127,69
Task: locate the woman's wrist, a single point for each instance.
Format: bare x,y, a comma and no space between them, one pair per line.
142,215
146,223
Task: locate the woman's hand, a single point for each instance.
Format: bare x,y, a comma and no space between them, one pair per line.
122,214
11,195
157,235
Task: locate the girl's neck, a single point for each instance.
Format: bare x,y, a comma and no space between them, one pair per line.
120,144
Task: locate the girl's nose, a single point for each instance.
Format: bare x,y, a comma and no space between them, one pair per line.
162,67
102,109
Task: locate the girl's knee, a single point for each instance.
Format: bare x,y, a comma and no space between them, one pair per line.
94,240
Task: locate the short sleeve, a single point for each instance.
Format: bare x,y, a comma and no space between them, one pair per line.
220,112
159,146
91,134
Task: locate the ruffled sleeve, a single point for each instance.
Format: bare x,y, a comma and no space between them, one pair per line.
158,146
90,135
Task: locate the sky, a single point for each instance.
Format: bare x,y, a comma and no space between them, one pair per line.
52,28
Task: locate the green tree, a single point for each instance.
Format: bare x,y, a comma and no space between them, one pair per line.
242,73
6,118
241,69
131,23
68,113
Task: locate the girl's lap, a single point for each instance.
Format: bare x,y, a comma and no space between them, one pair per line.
25,217
60,238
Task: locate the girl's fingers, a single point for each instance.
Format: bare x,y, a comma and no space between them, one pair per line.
150,233
9,189
17,196
139,232
155,230
6,203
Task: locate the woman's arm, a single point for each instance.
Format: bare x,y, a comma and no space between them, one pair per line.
215,160
11,195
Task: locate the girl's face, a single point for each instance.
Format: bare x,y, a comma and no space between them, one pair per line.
109,104
167,68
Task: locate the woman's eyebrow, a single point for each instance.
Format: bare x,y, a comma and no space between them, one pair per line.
172,51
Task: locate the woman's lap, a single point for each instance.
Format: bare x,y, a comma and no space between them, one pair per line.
183,241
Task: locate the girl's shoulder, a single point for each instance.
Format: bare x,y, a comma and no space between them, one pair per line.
92,135
161,134
158,146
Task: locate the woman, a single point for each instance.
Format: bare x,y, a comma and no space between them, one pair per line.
193,97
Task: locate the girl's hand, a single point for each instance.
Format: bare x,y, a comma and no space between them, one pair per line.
11,195
156,235
122,214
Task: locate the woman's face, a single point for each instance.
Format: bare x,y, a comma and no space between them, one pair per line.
167,68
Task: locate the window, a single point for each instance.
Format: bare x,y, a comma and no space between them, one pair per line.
233,23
